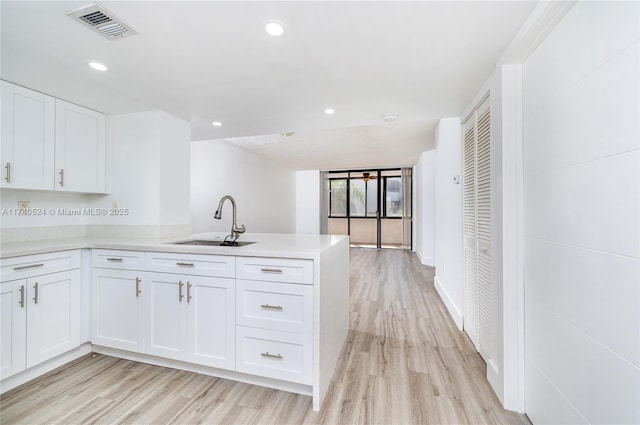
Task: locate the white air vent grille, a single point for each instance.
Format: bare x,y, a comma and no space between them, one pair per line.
102,21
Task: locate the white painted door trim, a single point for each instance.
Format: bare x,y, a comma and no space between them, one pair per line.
512,238
540,23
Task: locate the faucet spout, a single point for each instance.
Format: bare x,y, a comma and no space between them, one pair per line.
235,230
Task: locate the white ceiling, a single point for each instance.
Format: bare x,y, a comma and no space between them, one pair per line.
204,61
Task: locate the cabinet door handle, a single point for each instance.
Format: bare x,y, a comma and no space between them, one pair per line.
271,307
31,266
35,295
272,356
271,270
22,296
180,296
138,290
115,260
61,177
185,264
189,292
8,168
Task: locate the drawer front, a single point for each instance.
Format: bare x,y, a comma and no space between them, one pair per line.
192,264
271,305
273,354
275,269
35,265
117,259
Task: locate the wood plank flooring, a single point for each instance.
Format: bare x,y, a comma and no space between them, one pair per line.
404,362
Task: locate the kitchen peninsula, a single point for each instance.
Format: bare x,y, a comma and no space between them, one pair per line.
274,312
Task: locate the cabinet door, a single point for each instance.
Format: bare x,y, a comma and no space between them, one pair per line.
165,315
53,315
117,309
80,149
211,321
13,327
28,120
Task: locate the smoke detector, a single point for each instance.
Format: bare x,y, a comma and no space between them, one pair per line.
100,20
390,117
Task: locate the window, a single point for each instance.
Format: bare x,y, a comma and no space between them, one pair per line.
338,198
393,197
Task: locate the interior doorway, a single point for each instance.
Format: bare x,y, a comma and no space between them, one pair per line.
372,206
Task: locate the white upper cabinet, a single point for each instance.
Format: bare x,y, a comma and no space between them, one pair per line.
80,149
50,144
28,122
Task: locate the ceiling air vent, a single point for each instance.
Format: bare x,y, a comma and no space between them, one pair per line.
101,21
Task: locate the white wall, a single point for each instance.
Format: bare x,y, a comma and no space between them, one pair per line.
424,207
149,171
448,224
265,191
581,208
308,202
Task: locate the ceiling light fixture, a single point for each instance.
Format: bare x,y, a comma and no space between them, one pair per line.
216,124
329,111
274,28
390,117
98,66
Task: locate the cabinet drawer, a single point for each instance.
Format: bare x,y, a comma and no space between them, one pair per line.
202,265
273,354
117,259
278,306
36,265
275,269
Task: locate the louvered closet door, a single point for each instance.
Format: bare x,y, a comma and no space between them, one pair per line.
470,231
483,202
477,229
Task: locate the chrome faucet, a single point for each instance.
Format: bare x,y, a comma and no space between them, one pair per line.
235,230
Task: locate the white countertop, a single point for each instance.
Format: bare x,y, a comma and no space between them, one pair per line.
267,245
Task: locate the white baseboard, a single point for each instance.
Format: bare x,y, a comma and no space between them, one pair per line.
448,302
425,261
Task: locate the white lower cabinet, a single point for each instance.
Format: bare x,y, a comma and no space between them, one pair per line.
190,318
40,319
280,355
53,315
274,318
117,309
13,328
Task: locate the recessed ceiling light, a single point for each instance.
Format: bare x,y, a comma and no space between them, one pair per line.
98,66
216,124
274,28
329,111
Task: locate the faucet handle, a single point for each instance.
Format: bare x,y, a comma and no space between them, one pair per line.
240,229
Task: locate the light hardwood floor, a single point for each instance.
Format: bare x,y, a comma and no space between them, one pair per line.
404,362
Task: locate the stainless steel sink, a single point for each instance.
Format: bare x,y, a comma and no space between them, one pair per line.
203,242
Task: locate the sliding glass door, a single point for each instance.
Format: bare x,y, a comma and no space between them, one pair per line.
369,206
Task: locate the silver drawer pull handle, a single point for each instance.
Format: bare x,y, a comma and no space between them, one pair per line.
35,297
61,177
185,264
271,270
271,307
22,296
8,167
138,290
32,266
180,286
271,356
117,260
